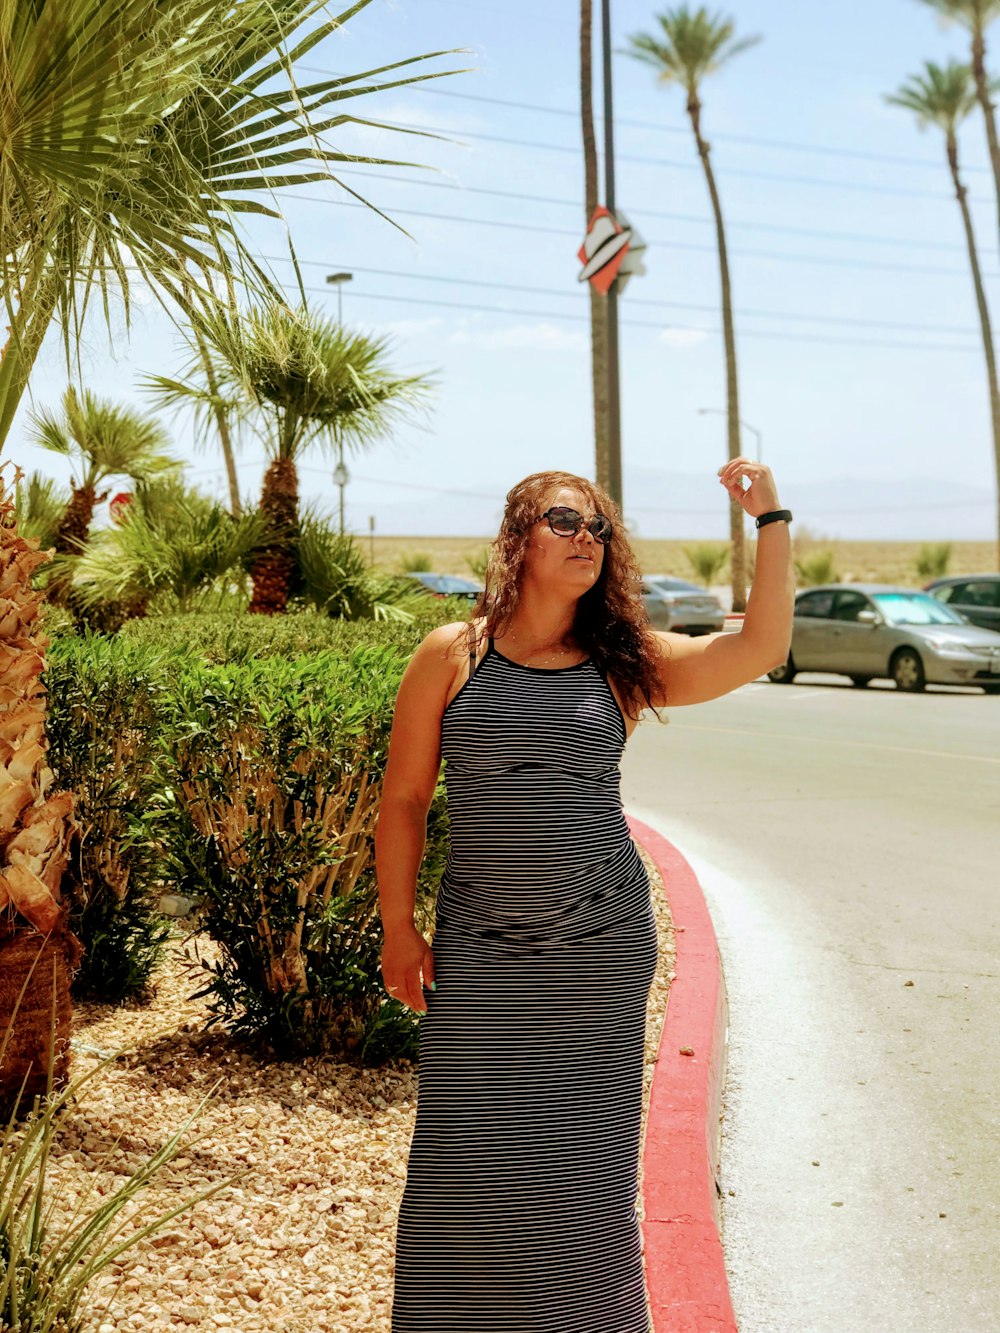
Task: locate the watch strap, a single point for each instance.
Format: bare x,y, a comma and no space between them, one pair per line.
774,516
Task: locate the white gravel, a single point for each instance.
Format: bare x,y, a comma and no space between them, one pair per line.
303,1242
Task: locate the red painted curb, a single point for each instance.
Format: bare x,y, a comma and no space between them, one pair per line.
685,1265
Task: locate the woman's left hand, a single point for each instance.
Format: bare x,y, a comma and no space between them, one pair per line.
761,496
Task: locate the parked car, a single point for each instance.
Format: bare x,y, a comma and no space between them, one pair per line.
677,605
448,585
864,630
975,596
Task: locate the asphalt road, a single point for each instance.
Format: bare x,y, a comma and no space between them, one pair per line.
848,842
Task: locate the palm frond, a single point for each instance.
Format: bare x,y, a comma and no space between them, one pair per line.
941,95
338,581
691,44
104,438
972,14
132,134
40,503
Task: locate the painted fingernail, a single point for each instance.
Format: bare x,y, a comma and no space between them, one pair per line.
434,985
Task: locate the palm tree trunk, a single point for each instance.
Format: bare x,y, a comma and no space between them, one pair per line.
598,303
985,101
736,512
985,322
74,526
275,567
222,426
36,829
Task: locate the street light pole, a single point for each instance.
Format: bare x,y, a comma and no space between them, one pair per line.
338,280
720,411
614,382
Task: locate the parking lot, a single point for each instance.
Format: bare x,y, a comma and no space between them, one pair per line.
846,842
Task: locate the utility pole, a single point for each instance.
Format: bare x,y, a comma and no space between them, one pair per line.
614,381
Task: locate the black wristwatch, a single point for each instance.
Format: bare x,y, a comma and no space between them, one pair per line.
774,516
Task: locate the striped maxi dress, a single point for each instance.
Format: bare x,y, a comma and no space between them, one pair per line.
519,1210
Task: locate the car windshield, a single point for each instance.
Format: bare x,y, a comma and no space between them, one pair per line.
915,608
452,583
665,584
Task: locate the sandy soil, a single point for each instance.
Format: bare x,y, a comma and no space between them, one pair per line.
302,1241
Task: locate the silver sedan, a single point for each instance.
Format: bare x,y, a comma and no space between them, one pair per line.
675,604
865,630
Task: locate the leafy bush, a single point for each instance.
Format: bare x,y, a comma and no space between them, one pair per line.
708,560
933,560
338,580
105,704
272,771
416,563
235,637
478,562
816,567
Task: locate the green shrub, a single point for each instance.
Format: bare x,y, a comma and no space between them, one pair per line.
816,567
708,560
415,563
933,560
105,705
272,770
478,562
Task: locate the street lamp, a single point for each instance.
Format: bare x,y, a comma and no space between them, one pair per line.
341,477
338,279
721,412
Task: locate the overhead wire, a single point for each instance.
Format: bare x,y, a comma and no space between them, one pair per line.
632,122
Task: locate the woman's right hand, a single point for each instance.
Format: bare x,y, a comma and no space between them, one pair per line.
406,956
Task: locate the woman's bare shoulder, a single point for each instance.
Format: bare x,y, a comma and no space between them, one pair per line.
447,643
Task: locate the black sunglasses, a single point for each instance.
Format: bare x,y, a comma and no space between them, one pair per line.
566,522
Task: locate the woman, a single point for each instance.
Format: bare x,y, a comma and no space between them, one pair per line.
518,1214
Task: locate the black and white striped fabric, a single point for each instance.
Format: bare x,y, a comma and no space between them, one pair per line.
519,1211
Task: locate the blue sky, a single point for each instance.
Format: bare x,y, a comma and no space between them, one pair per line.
861,363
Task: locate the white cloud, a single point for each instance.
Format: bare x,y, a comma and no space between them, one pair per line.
682,337
541,337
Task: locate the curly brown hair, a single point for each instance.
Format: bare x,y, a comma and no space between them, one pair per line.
611,621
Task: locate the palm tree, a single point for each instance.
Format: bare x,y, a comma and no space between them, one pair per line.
304,380
102,439
598,303
689,46
977,15
133,134
187,111
174,544
944,96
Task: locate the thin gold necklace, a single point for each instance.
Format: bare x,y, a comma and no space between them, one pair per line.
563,649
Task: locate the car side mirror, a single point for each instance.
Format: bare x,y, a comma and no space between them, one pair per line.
869,618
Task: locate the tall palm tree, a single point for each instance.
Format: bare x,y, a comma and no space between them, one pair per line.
944,96
133,134
598,303
305,380
977,15
102,439
691,44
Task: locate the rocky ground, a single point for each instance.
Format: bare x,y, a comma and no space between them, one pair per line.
312,1158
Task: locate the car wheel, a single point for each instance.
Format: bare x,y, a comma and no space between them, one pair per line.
908,671
784,674
859,682
991,689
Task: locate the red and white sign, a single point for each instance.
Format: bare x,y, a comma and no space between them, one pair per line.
611,249
118,506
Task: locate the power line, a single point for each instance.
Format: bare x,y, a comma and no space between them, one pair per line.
784,145
701,218
577,295
645,324
535,144
829,261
